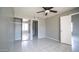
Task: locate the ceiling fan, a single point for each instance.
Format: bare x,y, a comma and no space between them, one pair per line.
47,10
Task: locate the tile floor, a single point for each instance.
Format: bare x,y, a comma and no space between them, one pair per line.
39,45
75,43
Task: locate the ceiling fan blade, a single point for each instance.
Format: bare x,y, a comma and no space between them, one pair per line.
47,8
46,14
40,11
53,11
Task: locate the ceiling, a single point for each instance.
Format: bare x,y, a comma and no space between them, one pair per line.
30,12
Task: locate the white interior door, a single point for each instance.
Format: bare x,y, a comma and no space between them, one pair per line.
65,22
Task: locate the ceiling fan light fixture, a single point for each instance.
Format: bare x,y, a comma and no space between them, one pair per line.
47,11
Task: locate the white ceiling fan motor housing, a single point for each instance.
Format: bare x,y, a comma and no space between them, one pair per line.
47,11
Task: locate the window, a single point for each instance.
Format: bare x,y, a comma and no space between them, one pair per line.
25,27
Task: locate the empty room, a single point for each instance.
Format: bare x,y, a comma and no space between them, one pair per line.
39,29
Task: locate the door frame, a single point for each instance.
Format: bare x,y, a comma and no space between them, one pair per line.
17,22
37,26
28,28
31,29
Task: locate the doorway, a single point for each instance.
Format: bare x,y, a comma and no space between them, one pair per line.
25,29
18,28
75,33
35,29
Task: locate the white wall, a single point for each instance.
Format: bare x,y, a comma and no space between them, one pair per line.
6,27
52,28
75,33
41,28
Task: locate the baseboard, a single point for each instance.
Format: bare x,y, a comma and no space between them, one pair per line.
52,38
